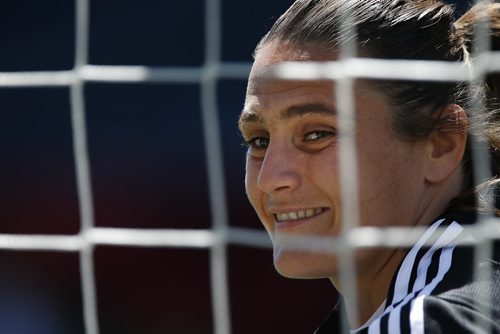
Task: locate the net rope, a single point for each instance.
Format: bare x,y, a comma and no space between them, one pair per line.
221,234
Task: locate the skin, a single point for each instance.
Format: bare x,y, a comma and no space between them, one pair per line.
292,165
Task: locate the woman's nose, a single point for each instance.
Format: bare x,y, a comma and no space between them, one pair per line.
280,169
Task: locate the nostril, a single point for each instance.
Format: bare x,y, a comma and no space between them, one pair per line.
278,180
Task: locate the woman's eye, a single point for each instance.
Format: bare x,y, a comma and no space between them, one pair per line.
257,143
317,135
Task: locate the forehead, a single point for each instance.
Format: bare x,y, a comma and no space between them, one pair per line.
272,54
267,93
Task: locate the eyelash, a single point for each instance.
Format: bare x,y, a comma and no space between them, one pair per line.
319,135
253,143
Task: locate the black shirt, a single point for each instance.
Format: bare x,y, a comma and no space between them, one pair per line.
435,290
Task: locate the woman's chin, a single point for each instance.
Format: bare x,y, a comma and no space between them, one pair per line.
304,265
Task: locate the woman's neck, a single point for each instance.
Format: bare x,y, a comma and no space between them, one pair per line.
371,288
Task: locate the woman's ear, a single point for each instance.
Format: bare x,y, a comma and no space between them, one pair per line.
447,144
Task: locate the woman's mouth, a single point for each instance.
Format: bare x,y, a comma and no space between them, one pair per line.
299,214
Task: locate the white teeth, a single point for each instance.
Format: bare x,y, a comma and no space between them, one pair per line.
295,215
283,217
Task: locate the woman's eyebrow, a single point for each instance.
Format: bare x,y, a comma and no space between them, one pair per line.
308,108
250,116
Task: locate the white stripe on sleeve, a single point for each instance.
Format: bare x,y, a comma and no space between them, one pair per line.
417,316
451,233
403,276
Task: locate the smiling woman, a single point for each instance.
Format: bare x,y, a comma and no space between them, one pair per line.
413,147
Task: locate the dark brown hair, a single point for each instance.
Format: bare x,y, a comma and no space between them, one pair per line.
399,29
487,14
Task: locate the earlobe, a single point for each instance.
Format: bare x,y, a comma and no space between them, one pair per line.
447,144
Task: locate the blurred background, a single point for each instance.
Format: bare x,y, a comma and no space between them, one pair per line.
148,171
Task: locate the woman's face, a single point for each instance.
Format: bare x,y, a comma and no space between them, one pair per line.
292,165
